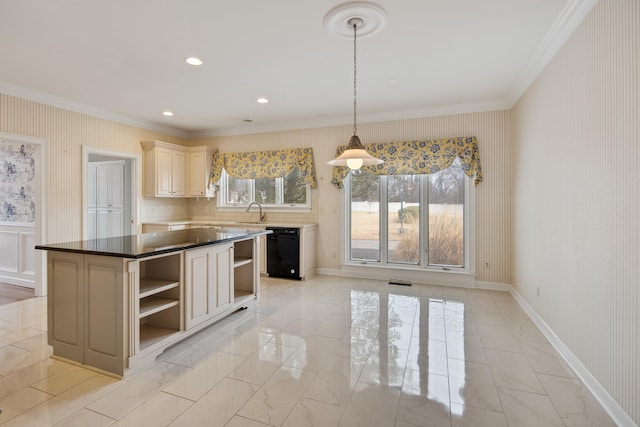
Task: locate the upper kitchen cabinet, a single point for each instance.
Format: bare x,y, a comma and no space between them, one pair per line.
175,171
165,169
199,163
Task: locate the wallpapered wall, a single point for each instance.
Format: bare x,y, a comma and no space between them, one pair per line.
17,183
66,132
492,195
576,197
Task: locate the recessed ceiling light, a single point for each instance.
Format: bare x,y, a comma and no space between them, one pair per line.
393,81
194,61
262,100
167,113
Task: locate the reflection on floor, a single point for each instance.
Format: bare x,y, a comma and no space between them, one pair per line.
329,351
12,293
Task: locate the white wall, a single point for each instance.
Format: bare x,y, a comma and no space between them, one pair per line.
576,197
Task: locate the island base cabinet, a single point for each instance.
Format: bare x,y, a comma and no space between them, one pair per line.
117,315
208,283
86,320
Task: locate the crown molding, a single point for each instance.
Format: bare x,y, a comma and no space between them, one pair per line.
565,24
67,104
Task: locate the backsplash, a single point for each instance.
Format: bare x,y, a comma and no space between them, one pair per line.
163,209
203,209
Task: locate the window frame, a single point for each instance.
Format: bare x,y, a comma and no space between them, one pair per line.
279,206
469,226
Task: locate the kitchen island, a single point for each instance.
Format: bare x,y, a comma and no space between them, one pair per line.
115,304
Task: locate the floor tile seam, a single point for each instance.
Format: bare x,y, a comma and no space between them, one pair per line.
487,409
93,375
485,348
523,391
547,396
342,407
247,418
91,410
28,409
582,389
530,367
184,397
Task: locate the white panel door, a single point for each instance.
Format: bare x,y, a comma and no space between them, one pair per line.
116,185
102,186
92,224
91,185
103,223
116,222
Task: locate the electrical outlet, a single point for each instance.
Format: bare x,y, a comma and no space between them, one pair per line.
538,291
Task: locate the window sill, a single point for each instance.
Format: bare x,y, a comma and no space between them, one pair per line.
433,276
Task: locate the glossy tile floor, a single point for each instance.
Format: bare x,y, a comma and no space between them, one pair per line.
325,352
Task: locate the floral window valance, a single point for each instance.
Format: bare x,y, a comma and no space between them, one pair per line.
265,164
418,157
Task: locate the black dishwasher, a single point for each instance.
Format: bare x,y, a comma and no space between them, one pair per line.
283,252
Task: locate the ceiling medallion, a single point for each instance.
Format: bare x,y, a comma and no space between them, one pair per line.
374,19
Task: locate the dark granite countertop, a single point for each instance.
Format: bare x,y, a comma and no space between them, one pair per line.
145,245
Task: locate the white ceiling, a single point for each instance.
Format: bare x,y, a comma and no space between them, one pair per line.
124,59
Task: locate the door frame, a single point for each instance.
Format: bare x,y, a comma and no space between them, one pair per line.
42,205
136,184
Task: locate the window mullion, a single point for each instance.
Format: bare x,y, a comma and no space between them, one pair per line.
383,211
279,191
424,221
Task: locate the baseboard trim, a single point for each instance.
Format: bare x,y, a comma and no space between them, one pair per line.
415,276
615,411
494,286
9,280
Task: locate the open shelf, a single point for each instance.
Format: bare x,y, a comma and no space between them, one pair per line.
238,294
151,286
152,305
151,334
240,261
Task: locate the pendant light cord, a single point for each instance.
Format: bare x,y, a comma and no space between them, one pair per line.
355,75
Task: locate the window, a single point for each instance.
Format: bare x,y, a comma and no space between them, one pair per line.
411,221
289,192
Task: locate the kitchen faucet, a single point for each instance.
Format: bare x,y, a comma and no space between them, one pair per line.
262,216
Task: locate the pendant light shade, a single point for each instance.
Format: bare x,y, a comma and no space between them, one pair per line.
355,156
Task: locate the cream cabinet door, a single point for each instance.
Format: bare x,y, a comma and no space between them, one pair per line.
197,173
199,286
179,173
164,174
224,278
208,283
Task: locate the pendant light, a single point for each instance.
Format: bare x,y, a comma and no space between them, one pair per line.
355,156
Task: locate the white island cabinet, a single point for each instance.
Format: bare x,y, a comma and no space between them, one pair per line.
208,284
117,311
